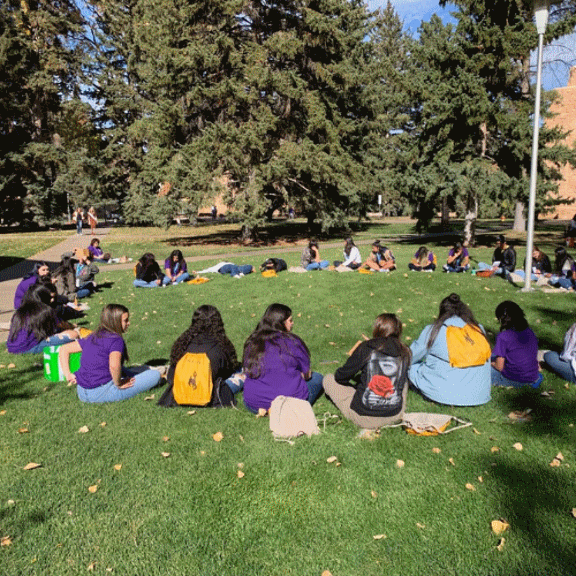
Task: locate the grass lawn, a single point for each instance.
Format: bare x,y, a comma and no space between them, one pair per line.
292,513
16,247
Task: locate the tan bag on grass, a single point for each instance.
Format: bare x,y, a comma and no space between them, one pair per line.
291,417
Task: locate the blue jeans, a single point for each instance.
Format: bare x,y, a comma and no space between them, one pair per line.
55,340
234,269
561,281
314,390
498,379
79,227
144,284
457,269
318,265
83,293
561,367
181,278
109,392
236,382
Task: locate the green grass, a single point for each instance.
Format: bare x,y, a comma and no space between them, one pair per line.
293,512
16,247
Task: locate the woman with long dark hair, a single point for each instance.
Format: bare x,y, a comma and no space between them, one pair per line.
39,270
515,355
175,268
352,258
148,273
277,362
206,334
564,270
35,325
378,398
423,261
102,376
451,357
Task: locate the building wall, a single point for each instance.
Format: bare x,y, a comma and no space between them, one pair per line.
565,118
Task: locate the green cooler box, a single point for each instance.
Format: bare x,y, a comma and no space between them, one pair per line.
52,369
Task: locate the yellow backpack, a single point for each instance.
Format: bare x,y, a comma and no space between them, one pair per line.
467,346
193,380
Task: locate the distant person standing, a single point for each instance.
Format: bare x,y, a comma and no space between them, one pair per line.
214,212
78,217
92,220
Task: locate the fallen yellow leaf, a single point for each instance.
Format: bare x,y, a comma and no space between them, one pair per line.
555,463
151,397
103,424
331,459
567,386
165,438
217,437
83,430
241,437
92,488
5,541
476,431
326,573
12,365
560,456
421,526
261,413
494,449
400,463
574,512
379,536
500,546
240,465
32,466
499,526
518,446
23,430
480,479
451,460
436,450
202,452
191,412
373,494
165,454
91,566
470,487
117,466
240,474
2,412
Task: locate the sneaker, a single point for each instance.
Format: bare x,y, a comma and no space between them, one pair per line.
237,276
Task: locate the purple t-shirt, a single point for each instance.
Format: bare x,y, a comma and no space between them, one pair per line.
283,363
430,256
22,288
175,267
23,342
96,252
520,353
94,368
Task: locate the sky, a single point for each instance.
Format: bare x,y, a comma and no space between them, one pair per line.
557,58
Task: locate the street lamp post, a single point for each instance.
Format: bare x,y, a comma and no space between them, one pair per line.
541,9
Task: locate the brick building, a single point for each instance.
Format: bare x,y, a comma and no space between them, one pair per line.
565,117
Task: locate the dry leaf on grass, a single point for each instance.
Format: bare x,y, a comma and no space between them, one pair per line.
470,487
241,437
117,466
240,465
500,546
93,488
165,438
494,449
480,479
191,412
165,454
217,437
91,566
5,541
32,466
331,459
451,460
518,446
400,463
373,494
476,431
83,430
240,474
574,512
103,424
421,526
499,526
379,536
12,365
2,412
521,415
436,450
555,463
151,397
560,456
23,430
261,413
326,573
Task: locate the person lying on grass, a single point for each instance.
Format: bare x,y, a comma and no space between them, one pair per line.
101,376
378,397
451,357
35,325
175,269
234,270
206,335
277,362
515,355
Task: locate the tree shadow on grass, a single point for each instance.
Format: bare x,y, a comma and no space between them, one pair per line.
15,384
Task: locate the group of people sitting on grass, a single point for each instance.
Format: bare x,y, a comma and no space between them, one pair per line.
451,362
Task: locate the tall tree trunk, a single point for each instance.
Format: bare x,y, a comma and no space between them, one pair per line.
445,217
519,220
470,218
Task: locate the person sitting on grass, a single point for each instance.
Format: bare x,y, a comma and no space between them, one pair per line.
352,258
564,364
101,376
381,258
452,366
503,259
378,397
541,267
98,255
35,325
39,270
564,270
458,259
310,258
423,261
148,273
86,271
207,335
515,355
277,362
175,269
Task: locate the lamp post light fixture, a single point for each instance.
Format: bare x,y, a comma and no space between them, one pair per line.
541,11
